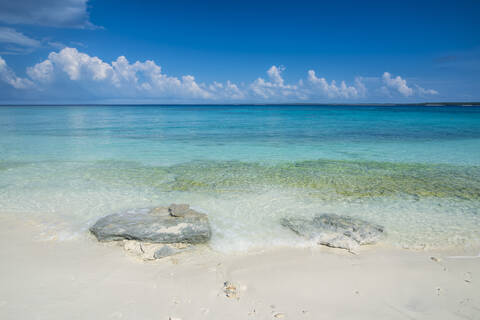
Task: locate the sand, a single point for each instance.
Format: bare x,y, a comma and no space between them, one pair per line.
84,279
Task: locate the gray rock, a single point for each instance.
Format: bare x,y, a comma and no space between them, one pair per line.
157,225
151,251
180,210
336,231
164,251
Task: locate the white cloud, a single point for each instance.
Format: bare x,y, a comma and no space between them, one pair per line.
14,42
227,91
11,36
147,77
361,88
425,92
41,72
397,84
9,77
55,13
320,85
118,78
276,87
275,74
124,72
80,65
121,79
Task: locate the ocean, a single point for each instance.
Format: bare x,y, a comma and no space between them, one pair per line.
413,169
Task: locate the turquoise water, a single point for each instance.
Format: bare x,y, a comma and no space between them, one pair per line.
416,170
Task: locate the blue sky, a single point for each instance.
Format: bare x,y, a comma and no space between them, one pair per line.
77,51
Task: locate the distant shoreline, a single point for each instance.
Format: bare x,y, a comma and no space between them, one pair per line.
374,104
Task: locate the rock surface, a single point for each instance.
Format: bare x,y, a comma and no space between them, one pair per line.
164,251
336,231
174,224
152,251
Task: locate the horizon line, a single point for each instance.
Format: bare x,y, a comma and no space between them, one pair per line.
426,104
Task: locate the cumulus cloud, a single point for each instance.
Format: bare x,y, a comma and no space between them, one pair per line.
331,90
42,72
122,79
147,78
275,86
117,78
397,84
9,77
54,13
79,65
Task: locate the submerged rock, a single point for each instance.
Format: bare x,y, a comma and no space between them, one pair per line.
181,210
336,231
174,224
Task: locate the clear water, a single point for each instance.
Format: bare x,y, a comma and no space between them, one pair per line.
415,170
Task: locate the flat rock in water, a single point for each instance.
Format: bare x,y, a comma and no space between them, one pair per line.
336,231
174,224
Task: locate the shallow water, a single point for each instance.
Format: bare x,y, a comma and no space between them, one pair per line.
415,170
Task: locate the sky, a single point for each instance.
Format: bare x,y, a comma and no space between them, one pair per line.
115,51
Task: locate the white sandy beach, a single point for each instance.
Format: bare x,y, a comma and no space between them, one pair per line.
84,279
236,160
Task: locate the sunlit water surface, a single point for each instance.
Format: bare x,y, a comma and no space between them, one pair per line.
415,170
